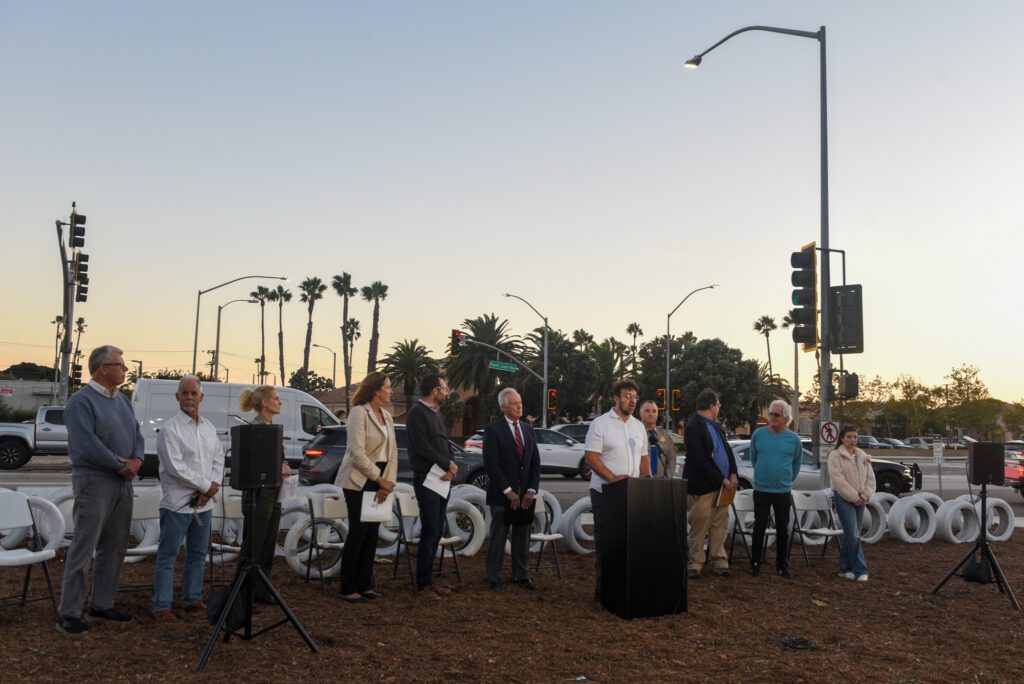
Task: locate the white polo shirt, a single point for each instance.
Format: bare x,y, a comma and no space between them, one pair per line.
621,444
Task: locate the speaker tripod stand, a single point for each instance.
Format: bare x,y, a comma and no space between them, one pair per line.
988,556
242,589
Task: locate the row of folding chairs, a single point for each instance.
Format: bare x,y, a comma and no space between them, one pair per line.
804,505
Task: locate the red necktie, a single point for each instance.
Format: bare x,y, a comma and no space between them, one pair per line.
520,448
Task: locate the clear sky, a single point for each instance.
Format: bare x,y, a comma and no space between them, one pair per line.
557,150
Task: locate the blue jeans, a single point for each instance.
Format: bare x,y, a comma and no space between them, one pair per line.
851,555
433,512
175,528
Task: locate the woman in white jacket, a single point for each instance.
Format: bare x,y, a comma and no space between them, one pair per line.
853,481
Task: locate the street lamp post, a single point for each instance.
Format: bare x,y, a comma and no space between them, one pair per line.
195,339
216,348
826,304
668,354
334,365
544,399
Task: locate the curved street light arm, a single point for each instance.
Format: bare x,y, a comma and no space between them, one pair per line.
515,359
816,35
195,338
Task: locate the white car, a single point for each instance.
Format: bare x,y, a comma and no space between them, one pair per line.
561,454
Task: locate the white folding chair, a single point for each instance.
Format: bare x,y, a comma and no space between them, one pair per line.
15,513
408,507
145,524
743,524
326,535
807,502
227,521
546,537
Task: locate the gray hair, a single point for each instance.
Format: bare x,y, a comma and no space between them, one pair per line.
100,355
786,410
504,395
185,378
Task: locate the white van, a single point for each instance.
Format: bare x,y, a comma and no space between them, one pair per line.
301,415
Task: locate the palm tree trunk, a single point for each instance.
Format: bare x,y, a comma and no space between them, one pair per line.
346,369
371,364
348,375
280,337
796,386
309,340
768,342
263,346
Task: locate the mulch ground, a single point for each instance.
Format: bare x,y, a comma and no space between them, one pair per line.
737,629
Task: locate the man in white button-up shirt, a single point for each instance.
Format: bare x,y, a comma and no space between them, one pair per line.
616,448
191,467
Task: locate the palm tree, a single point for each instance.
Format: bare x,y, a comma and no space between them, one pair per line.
350,331
280,295
472,368
407,363
788,321
342,285
262,294
582,339
634,330
771,387
764,326
609,356
374,292
312,290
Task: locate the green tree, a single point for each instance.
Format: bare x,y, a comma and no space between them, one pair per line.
352,333
472,368
343,287
571,371
911,404
1013,418
452,409
582,339
764,326
408,362
715,365
652,369
634,330
309,381
610,363
262,295
282,297
312,290
375,292
26,370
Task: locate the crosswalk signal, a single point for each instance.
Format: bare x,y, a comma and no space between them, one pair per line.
677,398
660,394
457,344
805,296
552,399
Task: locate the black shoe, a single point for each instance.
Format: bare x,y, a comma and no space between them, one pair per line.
372,595
782,572
755,569
693,574
494,586
109,614
72,626
721,572
526,584
266,600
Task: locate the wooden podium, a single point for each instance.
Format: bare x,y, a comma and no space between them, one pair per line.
643,564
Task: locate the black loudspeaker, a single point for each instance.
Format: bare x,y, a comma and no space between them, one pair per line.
643,547
256,455
985,463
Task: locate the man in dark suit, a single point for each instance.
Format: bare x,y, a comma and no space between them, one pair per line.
513,466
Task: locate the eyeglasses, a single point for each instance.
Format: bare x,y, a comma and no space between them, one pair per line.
774,415
116,365
629,397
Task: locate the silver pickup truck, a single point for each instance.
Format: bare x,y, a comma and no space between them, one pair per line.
19,441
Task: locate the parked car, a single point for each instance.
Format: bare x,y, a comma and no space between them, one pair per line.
1014,449
893,442
47,435
891,477
577,431
1013,473
919,442
475,442
322,458
561,454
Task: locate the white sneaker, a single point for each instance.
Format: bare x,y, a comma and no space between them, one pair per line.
862,578
847,575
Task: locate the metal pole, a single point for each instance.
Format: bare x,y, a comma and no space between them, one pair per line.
334,365
216,347
195,338
545,421
668,352
825,381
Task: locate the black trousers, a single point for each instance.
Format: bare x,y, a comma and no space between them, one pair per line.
265,522
778,505
499,534
360,545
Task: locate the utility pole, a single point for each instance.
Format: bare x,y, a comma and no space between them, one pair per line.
75,278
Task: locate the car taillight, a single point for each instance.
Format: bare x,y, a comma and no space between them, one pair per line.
314,453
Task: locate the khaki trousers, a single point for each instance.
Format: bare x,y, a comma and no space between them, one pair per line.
707,521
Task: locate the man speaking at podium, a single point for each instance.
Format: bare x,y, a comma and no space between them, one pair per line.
616,448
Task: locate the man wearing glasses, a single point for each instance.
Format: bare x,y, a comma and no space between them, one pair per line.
429,446
775,453
616,448
105,448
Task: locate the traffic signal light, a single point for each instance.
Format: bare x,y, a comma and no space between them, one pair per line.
77,229
82,293
805,296
76,374
849,386
846,320
552,399
677,397
660,394
457,344
82,267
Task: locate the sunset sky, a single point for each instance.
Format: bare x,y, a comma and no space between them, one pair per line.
557,150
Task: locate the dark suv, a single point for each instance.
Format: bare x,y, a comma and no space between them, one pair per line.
322,458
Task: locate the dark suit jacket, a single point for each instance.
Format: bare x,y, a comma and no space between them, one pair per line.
701,473
504,467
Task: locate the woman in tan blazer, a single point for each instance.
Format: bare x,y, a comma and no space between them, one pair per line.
370,465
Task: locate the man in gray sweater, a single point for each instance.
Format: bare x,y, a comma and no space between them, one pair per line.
105,448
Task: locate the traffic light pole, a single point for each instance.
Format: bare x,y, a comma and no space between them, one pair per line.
69,309
668,354
545,379
519,362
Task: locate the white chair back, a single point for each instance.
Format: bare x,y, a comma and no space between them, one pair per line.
147,503
334,506
14,510
812,500
408,507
